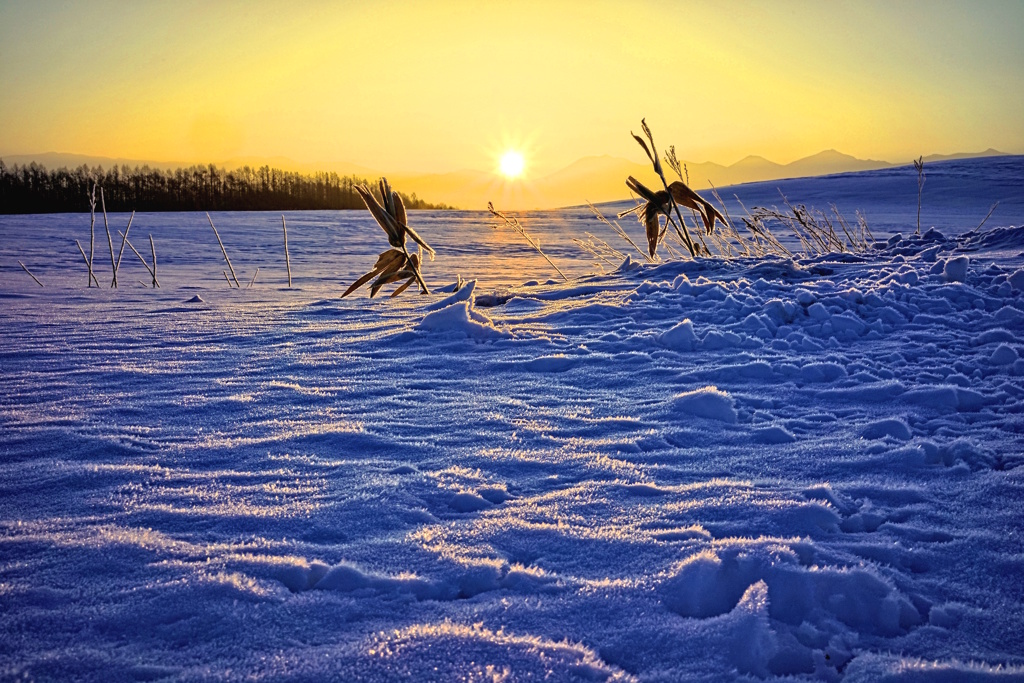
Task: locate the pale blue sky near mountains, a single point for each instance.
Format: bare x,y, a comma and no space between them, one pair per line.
440,86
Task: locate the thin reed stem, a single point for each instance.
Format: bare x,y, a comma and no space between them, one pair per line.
124,238
919,167
92,232
91,276
223,251
152,271
287,259
152,247
110,242
25,268
515,225
987,215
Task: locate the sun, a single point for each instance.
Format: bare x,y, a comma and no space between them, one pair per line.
511,164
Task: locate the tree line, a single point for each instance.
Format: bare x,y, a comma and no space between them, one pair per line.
30,188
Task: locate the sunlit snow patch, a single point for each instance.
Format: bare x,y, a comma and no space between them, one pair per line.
457,314
708,402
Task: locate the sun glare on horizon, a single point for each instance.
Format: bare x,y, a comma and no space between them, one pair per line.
512,164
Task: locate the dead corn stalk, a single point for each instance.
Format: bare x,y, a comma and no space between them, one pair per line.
397,263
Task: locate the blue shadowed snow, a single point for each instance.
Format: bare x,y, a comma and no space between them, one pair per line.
746,470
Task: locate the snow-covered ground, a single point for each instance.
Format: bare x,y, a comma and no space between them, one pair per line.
685,471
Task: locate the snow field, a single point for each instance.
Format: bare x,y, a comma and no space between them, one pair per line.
748,470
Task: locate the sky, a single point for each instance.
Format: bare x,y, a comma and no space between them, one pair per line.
436,87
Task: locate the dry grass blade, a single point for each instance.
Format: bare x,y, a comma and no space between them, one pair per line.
391,217
407,268
152,246
385,262
92,230
287,258
684,196
399,206
651,225
385,220
601,250
401,288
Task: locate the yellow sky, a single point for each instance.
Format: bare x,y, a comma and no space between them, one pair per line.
441,86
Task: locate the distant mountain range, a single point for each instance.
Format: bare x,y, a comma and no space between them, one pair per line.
594,179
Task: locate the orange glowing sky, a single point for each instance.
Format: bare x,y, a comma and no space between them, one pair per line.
441,86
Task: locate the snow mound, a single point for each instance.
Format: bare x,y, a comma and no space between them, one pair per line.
712,582
628,265
955,269
784,597
467,501
708,402
773,434
880,429
464,293
461,318
348,578
680,337
558,362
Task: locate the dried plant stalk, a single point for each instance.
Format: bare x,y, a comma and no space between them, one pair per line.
152,271
919,167
30,273
110,242
287,259
124,238
156,283
396,263
223,251
987,215
92,232
515,225
91,276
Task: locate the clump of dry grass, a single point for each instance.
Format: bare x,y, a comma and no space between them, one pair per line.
816,230
397,263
